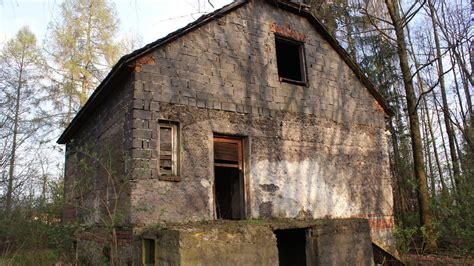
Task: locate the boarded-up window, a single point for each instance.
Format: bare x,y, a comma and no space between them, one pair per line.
226,153
168,148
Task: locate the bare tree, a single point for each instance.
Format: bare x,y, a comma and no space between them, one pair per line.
20,72
426,219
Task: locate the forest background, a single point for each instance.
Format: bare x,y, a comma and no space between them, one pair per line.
418,53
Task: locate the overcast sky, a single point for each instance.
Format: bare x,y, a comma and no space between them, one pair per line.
151,19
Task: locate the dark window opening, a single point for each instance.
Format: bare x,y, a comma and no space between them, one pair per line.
290,61
148,251
228,179
291,246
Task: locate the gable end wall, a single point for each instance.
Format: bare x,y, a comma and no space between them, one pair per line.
313,152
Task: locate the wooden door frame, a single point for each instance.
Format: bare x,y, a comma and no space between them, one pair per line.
241,141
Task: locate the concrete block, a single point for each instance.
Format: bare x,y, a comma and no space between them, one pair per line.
141,114
141,154
229,107
141,133
138,104
154,106
201,103
216,105
137,143
342,242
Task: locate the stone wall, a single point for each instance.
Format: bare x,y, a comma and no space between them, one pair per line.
312,151
96,158
98,152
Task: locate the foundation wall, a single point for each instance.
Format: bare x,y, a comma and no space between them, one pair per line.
328,242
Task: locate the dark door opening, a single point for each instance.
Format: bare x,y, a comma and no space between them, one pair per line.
291,245
228,178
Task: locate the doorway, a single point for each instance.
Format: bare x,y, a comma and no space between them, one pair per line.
229,190
291,244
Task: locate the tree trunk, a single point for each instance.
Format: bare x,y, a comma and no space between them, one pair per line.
458,93
348,24
399,198
430,127
88,59
435,150
427,141
445,150
114,256
446,114
417,146
16,120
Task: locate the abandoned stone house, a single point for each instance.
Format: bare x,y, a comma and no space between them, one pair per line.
247,137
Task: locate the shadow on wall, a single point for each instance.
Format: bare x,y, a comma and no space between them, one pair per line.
315,151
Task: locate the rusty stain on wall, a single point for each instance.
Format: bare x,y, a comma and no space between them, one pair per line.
144,60
286,31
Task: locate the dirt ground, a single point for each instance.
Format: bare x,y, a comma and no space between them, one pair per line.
433,259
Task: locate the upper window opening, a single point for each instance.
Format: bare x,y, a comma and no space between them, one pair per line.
290,60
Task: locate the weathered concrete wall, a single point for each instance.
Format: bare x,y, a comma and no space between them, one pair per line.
328,242
217,245
341,242
313,152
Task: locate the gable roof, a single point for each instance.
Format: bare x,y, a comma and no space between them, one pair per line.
124,66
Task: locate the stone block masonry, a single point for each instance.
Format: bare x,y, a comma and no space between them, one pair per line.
322,145
311,151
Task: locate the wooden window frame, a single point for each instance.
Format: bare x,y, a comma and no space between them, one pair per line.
175,149
302,61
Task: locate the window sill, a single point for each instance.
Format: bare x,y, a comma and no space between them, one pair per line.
170,178
292,81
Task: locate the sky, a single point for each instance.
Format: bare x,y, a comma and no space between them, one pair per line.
151,19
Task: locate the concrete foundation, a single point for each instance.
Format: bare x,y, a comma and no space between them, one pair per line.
327,242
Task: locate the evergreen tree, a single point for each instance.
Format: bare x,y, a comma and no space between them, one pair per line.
84,48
